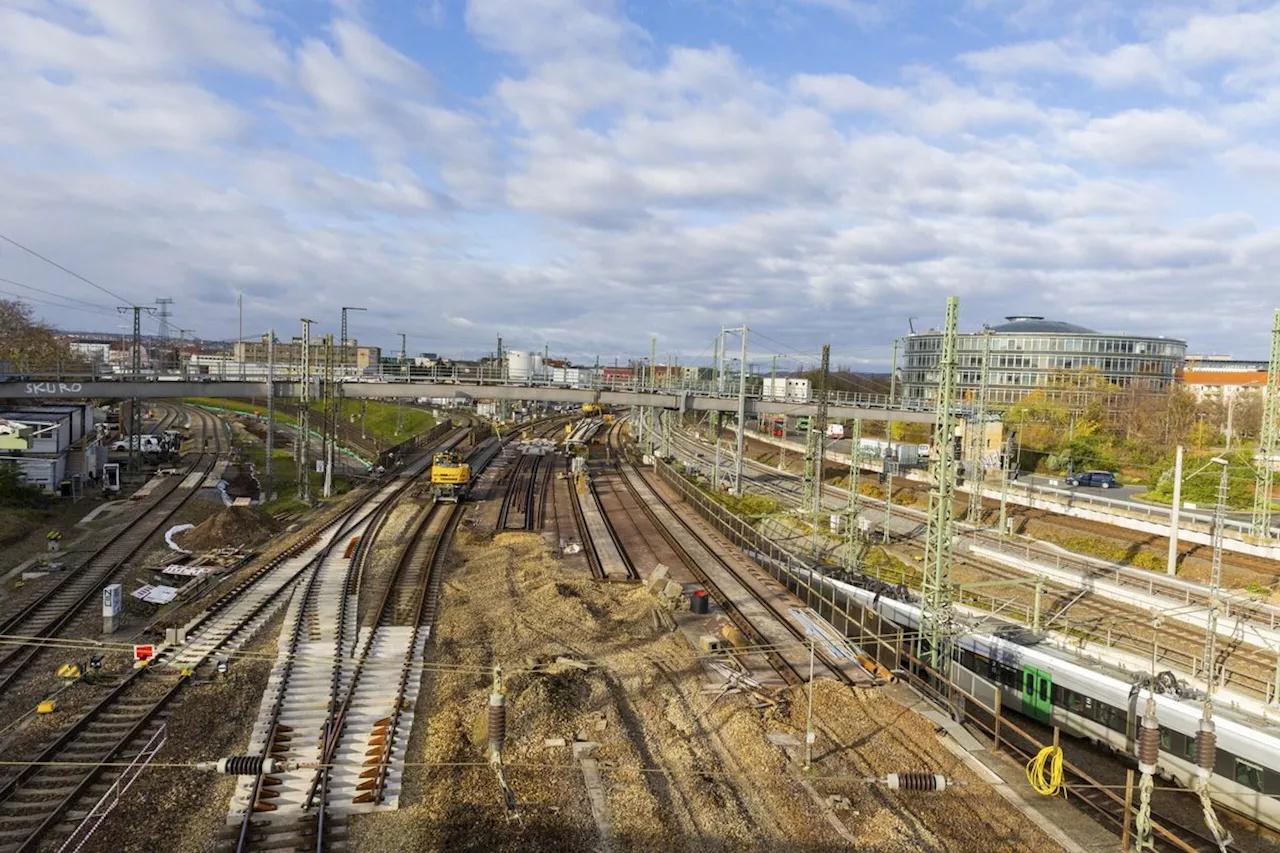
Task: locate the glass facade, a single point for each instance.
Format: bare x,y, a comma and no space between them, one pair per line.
1023,362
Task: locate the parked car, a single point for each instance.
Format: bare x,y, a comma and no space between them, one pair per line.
1099,479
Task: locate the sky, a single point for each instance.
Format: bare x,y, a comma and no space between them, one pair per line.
583,174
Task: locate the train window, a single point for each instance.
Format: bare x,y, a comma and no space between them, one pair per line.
1089,709
1166,740
1057,696
1249,775
1189,748
1117,720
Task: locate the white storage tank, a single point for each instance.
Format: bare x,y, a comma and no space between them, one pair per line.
519,365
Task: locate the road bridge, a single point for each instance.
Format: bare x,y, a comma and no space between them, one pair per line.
841,406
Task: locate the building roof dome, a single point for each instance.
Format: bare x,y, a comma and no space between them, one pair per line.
1029,323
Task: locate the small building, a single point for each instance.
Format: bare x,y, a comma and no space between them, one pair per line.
57,448
1221,377
785,389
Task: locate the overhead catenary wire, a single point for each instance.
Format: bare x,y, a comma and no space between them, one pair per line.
69,272
12,283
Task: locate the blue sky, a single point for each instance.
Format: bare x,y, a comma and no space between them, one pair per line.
581,174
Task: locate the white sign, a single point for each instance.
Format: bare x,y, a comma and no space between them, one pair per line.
319,466
155,594
111,598
185,571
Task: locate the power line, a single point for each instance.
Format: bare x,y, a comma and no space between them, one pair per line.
71,273
52,293
22,297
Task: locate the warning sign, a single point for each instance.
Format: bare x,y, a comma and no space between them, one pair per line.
146,652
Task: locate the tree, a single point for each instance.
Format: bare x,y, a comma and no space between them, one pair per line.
26,341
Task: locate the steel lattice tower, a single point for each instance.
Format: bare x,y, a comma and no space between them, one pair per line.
936,583
851,560
1268,441
978,440
817,437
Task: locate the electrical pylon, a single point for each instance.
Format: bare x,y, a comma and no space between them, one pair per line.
1268,441
977,472
936,584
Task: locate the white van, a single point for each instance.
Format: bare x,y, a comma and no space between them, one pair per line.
145,443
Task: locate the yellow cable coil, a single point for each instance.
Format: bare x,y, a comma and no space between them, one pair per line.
1044,772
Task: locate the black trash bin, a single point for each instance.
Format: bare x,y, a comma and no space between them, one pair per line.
700,602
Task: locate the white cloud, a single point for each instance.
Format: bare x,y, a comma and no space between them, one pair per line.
1122,67
846,93
579,178
544,29
1144,138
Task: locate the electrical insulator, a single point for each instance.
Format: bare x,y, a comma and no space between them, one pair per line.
1206,748
1149,741
916,781
243,765
497,723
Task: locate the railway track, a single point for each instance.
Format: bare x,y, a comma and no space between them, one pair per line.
761,618
57,605
1244,666
1170,835
343,688
64,782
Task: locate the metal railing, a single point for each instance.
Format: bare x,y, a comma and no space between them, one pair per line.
588,380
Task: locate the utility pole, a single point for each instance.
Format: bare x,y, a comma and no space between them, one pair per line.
742,416
936,586
1010,461
330,422
715,415
135,405
303,456
818,430
1174,513
270,474
163,315
887,464
978,441
182,339
1215,575
653,373
338,392
240,333
1269,440
850,536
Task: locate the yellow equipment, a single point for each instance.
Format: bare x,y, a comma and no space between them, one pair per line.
450,476
47,706
590,408
70,671
608,419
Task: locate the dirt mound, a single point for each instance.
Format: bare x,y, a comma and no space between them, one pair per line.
236,527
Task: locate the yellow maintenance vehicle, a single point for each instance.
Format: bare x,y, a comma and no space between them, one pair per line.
450,477
590,409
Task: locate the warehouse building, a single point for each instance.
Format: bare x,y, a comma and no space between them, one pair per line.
1029,353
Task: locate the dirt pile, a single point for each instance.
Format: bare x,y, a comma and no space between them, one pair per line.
233,527
680,771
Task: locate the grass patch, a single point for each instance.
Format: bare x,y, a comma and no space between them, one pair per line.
1113,552
388,423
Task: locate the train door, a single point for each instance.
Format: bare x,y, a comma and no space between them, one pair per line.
1037,690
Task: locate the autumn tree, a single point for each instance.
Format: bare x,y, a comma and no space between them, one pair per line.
26,341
